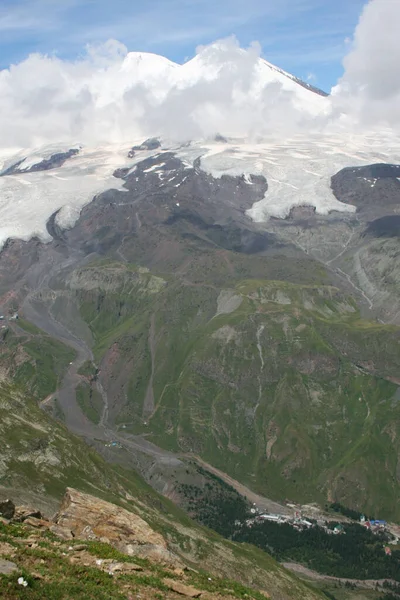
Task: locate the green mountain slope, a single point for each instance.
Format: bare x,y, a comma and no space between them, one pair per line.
281,385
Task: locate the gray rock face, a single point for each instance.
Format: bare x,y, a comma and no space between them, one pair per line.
7,509
181,198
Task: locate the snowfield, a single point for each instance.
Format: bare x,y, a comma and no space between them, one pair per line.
298,171
27,200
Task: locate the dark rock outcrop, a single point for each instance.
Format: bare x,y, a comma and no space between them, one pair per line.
385,227
7,509
56,160
149,144
372,185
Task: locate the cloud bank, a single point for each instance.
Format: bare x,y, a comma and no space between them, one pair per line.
369,91
111,95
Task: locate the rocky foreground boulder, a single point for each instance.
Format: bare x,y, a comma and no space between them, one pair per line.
85,517
88,518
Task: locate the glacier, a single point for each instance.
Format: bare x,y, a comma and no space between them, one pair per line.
298,171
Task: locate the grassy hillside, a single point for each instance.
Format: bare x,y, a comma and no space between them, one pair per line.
58,571
281,385
34,360
40,458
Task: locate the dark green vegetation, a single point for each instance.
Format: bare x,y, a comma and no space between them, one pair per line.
281,385
355,554
216,504
88,370
347,512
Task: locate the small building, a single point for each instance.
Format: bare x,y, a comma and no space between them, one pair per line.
338,529
275,518
379,523
305,522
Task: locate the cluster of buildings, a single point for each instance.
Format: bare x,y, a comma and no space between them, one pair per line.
299,522
113,445
296,520
13,317
374,525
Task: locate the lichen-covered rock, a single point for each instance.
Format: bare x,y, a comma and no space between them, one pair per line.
6,549
89,518
37,523
62,532
24,512
7,567
182,589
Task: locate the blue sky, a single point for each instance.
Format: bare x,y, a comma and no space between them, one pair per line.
305,37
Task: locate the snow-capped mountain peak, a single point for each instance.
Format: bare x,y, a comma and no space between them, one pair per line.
233,70
145,65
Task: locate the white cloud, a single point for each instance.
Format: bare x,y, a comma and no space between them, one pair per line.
110,95
370,87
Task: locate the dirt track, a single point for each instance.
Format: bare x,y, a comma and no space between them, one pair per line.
302,571
260,501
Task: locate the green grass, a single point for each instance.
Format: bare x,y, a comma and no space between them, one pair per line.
45,364
29,327
41,458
